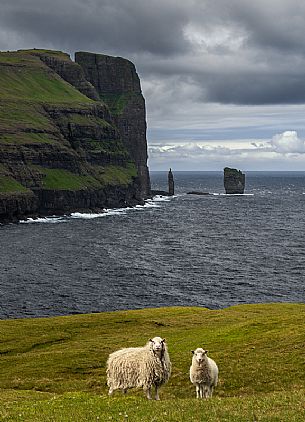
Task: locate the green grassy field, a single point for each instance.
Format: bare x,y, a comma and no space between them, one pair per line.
53,369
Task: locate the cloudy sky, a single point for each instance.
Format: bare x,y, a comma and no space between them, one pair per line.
224,81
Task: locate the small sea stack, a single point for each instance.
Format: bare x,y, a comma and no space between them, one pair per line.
171,184
234,181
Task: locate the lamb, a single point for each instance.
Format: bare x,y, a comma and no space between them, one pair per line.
203,373
143,367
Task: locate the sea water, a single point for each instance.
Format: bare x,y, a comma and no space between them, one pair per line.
214,250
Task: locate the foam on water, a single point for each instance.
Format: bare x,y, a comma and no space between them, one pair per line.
149,203
52,219
232,194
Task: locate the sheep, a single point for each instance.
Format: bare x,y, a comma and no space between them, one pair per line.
203,373
143,367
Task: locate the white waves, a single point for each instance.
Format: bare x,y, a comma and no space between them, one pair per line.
149,203
233,194
51,219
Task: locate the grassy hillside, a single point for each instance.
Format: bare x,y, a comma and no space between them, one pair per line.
53,369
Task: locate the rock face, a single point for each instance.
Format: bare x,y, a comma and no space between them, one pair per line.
118,85
234,181
61,147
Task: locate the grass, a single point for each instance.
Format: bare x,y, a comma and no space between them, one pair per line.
52,53
53,369
116,175
117,102
9,185
110,146
55,178
24,138
61,179
16,115
30,79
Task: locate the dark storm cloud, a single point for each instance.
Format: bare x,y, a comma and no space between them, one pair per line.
103,25
231,52
255,89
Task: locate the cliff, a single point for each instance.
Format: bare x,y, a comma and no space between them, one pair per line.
234,181
117,83
62,147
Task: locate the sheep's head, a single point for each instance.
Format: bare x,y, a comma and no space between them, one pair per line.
157,344
200,354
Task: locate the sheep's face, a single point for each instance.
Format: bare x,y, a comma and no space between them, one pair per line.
199,354
157,344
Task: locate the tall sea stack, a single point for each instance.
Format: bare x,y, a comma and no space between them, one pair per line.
171,185
118,85
234,181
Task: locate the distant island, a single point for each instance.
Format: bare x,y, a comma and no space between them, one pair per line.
72,134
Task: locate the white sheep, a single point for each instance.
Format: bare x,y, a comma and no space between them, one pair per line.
203,373
142,367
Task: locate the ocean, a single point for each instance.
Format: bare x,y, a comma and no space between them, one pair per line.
212,251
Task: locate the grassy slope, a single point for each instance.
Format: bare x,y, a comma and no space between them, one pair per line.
54,369
25,77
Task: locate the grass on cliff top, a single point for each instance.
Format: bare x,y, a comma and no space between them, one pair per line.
52,53
25,77
53,369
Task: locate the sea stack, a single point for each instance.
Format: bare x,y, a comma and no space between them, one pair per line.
171,185
234,181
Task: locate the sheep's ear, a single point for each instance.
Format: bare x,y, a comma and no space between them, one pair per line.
193,351
164,341
150,340
206,352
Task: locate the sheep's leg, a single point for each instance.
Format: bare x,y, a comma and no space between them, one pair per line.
197,391
201,391
110,391
148,393
157,393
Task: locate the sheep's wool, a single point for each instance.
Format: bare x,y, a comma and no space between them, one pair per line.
137,367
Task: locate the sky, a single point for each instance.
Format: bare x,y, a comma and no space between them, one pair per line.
224,81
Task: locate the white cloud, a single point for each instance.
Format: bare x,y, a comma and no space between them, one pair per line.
288,142
285,151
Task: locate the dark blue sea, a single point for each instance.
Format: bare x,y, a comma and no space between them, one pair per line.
212,251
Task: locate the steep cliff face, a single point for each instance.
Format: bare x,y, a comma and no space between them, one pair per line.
118,85
60,148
